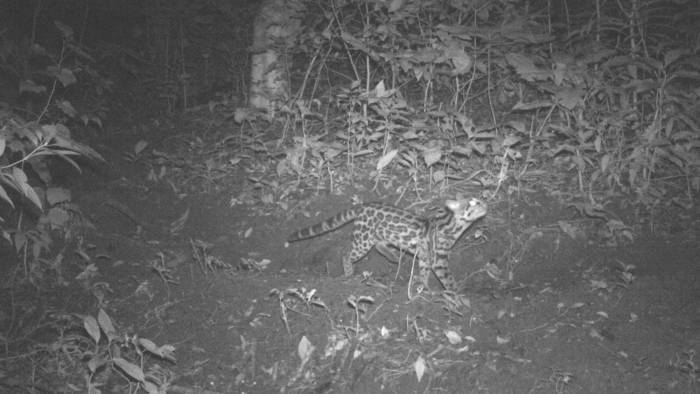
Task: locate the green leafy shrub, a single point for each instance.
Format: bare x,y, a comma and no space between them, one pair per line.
86,352
437,85
35,209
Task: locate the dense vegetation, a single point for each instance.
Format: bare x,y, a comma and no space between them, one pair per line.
596,102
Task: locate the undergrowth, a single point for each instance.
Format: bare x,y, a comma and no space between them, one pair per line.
602,107
594,102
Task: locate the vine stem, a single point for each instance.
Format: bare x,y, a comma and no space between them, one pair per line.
35,151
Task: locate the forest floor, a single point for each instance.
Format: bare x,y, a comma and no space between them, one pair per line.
190,252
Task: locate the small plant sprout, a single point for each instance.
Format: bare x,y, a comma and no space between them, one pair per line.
283,308
684,363
203,258
129,361
309,297
560,379
359,305
453,302
160,267
368,280
625,274
251,264
289,296
412,325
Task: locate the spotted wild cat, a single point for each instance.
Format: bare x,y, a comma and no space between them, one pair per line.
385,226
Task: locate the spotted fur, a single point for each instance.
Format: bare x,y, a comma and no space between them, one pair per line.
385,226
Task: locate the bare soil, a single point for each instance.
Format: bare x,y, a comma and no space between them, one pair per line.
561,315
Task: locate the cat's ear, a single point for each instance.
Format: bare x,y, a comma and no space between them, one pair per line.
453,205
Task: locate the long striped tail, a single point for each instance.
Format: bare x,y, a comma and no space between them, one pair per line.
325,226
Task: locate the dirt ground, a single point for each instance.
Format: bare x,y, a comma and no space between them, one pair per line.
540,312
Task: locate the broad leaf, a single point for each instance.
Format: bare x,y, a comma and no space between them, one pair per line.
92,328
386,159
106,324
130,369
